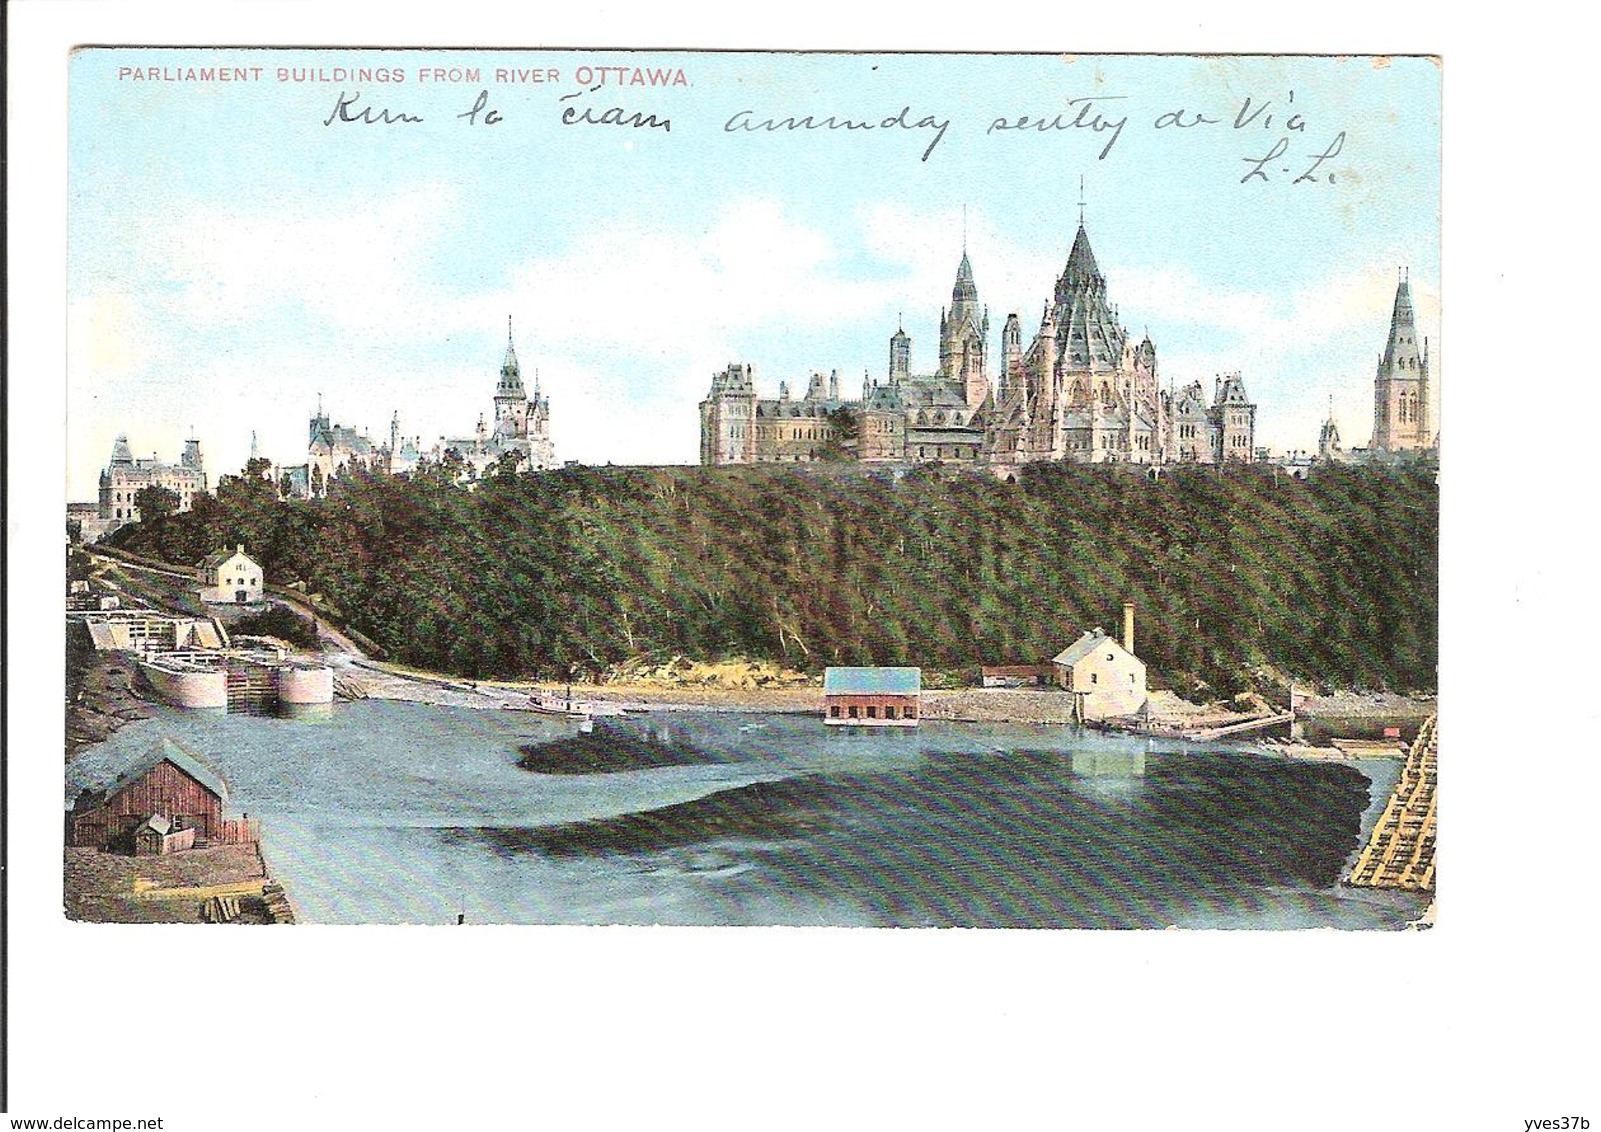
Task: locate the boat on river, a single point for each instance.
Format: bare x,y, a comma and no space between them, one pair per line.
569,708
572,709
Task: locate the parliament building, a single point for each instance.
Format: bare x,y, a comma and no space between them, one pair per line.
1081,390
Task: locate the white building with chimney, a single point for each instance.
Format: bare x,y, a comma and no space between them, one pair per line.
1104,675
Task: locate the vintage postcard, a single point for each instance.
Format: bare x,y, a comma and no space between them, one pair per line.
594,487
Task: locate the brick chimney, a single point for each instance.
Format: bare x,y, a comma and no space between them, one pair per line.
1128,625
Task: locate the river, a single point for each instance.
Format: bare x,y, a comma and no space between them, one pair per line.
391,812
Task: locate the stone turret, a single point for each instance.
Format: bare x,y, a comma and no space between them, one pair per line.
1329,448
728,418
1011,356
1233,420
900,355
963,338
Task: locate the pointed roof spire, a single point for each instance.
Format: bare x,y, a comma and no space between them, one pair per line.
965,290
511,381
1081,200
1081,265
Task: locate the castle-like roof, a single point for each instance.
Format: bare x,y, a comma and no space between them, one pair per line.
1081,266
965,289
883,398
932,391
511,378
1401,349
120,452
1232,390
1088,334
335,437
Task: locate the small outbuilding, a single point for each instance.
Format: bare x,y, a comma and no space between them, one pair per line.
157,836
1105,677
1016,675
229,577
872,697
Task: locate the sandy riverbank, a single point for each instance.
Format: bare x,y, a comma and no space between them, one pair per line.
984,705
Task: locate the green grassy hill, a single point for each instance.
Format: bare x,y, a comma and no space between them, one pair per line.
1239,580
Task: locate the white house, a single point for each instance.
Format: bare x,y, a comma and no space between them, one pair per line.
229,577
1103,673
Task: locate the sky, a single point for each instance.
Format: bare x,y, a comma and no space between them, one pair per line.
233,256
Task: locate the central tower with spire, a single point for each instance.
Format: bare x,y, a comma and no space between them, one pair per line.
511,400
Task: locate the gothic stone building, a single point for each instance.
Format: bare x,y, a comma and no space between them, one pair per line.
1082,391
125,475
522,424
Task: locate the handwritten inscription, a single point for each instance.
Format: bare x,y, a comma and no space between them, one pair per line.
747,121
1280,149
343,112
611,116
481,106
1289,152
1087,116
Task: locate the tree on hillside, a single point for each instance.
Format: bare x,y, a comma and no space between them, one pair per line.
1236,580
842,444
156,503
508,463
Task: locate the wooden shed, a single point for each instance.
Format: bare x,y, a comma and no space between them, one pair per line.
157,836
170,782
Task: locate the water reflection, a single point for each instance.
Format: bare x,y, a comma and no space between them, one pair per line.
1108,765
389,812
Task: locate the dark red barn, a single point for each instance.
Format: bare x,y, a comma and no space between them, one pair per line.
170,781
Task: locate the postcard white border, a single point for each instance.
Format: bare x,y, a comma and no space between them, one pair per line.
595,1027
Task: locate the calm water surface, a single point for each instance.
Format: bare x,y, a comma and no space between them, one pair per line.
387,812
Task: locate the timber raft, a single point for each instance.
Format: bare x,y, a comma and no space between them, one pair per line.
1400,852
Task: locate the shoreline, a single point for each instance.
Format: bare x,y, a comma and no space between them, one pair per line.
103,700
1359,710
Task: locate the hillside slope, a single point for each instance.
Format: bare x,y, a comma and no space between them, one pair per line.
1239,579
